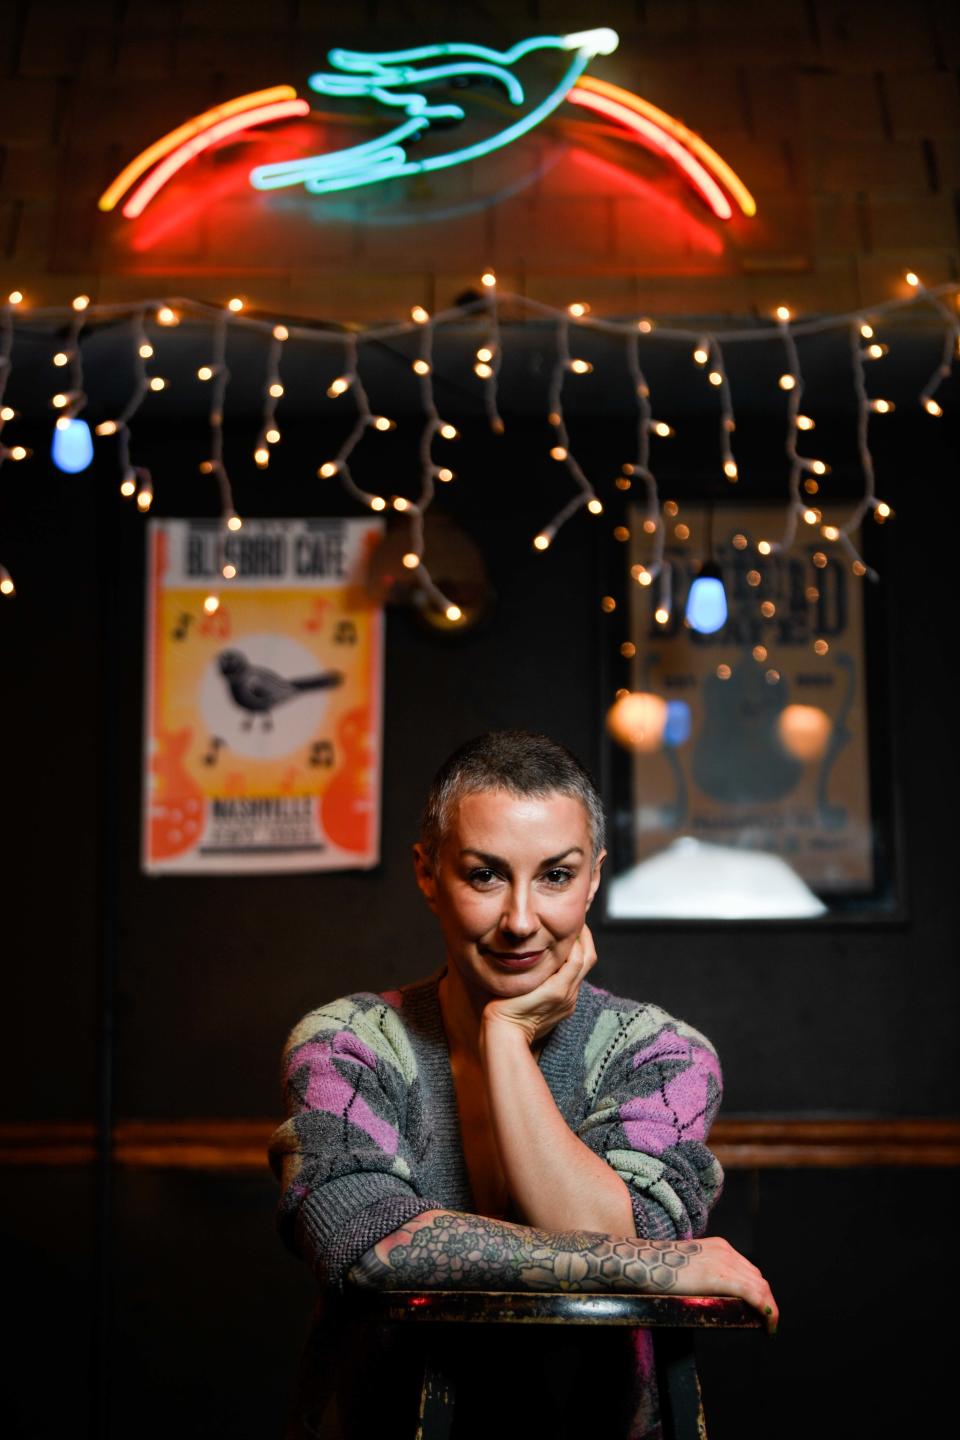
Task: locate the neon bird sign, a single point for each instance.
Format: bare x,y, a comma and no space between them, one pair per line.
392,80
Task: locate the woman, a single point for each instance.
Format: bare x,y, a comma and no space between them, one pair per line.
504,1124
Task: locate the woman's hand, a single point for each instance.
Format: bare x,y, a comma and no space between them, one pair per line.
713,1267
539,1011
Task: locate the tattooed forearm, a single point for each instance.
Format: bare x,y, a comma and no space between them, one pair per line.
447,1250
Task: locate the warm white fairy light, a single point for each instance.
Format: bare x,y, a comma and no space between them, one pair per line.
718,378
431,428
560,450
7,413
272,392
488,360
639,467
489,354
214,465
949,352
80,302
235,305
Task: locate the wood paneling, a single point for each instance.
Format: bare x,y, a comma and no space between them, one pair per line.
771,1142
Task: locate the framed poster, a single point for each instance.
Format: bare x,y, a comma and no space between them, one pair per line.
264,718
749,794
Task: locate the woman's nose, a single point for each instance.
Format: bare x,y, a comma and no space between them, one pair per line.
519,918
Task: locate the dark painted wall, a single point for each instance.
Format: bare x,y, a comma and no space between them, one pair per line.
207,1311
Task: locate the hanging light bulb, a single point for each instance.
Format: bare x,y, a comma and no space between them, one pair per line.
679,723
804,731
707,601
637,720
72,447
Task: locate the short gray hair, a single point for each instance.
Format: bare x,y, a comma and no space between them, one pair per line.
517,761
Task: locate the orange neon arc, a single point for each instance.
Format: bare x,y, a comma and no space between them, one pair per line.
159,176
655,138
689,139
186,131
712,179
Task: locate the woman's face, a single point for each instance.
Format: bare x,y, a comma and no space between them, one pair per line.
511,889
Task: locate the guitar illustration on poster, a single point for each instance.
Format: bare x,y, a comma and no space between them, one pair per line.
776,758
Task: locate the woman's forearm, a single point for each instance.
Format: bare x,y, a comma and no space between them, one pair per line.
449,1250
446,1249
555,1180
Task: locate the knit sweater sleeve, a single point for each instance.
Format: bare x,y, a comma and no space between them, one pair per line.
346,1154
654,1088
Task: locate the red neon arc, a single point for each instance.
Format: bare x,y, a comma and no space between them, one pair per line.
158,177
656,139
651,127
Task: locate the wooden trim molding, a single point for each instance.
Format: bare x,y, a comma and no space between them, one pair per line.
739,1142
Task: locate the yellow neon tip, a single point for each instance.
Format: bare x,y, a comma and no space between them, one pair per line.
183,132
707,156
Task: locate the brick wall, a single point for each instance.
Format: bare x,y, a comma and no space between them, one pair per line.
843,118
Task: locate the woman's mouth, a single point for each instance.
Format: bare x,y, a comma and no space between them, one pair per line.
512,959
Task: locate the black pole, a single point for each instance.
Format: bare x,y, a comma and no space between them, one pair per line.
108,569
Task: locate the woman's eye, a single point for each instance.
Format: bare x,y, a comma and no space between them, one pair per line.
482,877
558,877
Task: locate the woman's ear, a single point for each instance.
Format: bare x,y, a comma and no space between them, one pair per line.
595,877
426,875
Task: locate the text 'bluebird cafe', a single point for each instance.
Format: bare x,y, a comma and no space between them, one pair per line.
273,554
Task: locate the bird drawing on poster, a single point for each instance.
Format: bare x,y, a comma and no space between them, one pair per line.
256,690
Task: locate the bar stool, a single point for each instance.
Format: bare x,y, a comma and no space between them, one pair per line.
673,1318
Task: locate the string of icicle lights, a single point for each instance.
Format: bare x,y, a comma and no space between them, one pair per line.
73,444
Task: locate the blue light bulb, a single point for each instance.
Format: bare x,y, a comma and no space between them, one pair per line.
707,601
679,723
72,448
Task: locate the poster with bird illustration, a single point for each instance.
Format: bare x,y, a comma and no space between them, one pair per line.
263,697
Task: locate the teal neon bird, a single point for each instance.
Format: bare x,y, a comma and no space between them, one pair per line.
392,79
